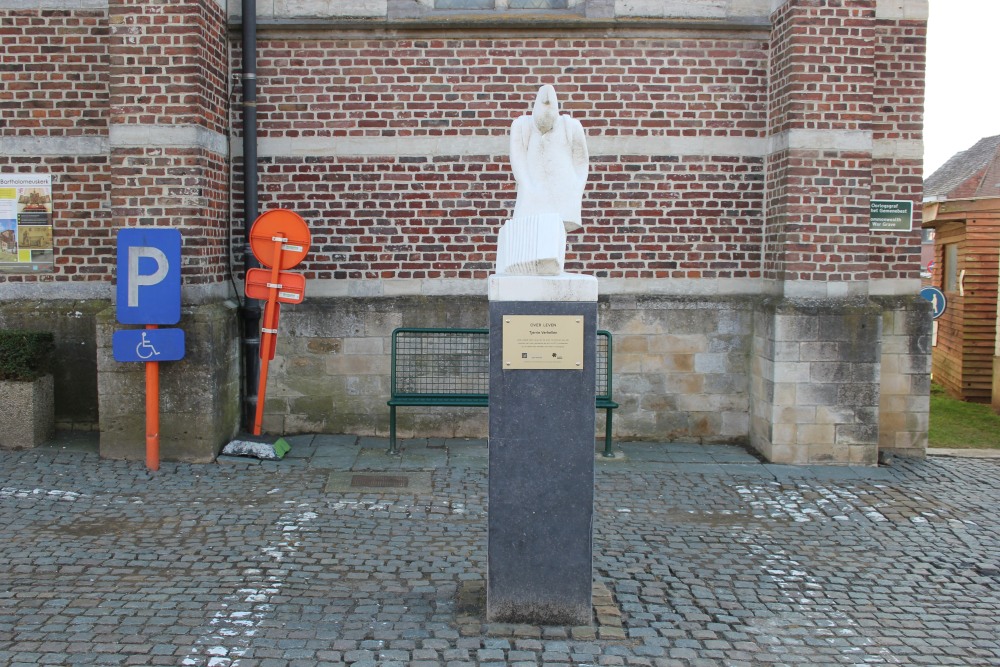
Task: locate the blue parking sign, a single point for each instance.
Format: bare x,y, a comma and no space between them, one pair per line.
149,275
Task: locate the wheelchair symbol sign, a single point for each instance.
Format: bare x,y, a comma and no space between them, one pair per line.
145,349
148,345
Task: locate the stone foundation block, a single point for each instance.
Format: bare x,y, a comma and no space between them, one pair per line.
199,395
27,413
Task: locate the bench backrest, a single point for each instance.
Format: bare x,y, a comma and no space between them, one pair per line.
446,362
456,362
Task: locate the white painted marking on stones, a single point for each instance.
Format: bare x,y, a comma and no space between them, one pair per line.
47,494
233,629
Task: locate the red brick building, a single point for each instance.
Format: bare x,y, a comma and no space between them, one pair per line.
735,147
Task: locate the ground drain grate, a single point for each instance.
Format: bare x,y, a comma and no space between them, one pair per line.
380,481
383,482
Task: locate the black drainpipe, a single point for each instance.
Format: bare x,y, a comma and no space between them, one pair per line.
251,307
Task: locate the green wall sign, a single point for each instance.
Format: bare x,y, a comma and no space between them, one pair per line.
891,216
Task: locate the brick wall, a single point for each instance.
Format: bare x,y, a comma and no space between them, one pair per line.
54,74
168,95
823,65
861,85
651,216
453,86
82,228
68,77
169,63
183,187
54,88
897,99
822,78
436,215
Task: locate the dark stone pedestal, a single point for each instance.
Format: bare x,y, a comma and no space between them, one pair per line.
541,480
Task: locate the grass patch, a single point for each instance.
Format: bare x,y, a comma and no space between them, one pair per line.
961,425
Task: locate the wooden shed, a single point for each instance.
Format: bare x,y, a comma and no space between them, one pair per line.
962,203
966,269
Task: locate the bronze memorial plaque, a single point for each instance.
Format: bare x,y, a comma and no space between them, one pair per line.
543,342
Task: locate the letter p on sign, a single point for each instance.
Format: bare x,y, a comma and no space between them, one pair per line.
149,276
135,278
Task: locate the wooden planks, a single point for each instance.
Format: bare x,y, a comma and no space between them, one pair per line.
963,357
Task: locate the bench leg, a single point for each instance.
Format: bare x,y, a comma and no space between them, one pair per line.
608,452
392,430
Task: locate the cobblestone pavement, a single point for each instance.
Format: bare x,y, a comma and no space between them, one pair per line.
703,556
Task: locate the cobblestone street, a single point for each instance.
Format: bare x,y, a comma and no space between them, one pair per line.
703,556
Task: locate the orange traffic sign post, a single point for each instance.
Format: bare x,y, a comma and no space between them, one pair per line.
279,239
149,293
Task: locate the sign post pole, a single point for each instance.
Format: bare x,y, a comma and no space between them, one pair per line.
269,334
152,412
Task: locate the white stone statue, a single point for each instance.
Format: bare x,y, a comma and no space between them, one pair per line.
549,158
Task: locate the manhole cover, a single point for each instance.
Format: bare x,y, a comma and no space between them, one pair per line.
380,481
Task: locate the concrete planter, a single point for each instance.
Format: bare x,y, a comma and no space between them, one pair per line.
27,412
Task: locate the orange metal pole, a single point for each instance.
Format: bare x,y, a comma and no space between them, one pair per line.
265,358
152,412
269,330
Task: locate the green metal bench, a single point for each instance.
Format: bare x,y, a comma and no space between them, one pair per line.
451,368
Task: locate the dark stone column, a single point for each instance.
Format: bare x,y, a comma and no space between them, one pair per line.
541,480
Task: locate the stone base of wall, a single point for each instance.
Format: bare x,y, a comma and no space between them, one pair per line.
802,382
838,381
680,367
199,395
905,381
331,369
823,381
815,389
74,368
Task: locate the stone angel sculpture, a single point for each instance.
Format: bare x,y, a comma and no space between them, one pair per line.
550,162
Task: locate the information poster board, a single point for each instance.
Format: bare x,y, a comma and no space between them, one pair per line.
26,223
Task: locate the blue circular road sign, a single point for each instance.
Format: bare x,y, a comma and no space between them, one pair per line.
937,299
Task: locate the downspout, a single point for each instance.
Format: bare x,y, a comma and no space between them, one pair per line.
251,307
